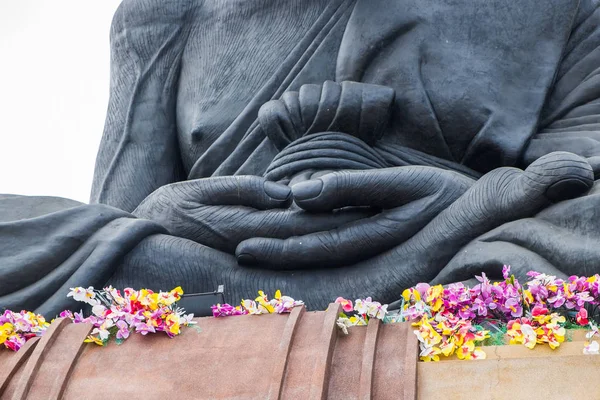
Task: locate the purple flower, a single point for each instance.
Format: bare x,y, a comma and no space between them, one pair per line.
123,332
134,319
558,300
22,325
538,291
465,312
144,328
78,318
514,306
582,298
422,288
506,271
480,306
8,316
222,310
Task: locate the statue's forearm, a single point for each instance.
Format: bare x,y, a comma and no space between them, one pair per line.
139,151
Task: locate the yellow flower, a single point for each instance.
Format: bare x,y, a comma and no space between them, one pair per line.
172,322
171,297
261,296
430,354
93,339
478,354
481,335
464,352
5,331
434,297
411,295
528,297
264,307
443,326
177,292
448,348
354,320
430,335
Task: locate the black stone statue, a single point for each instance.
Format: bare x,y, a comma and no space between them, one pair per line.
328,148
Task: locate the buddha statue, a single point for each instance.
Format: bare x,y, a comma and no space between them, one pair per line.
327,148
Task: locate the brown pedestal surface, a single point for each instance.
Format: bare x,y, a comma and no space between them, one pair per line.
301,355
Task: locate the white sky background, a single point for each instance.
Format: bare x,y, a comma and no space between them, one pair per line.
54,81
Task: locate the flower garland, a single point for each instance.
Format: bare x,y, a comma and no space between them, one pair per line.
360,313
448,318
18,328
260,305
542,327
113,315
143,312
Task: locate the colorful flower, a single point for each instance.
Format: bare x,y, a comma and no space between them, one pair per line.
87,296
123,332
591,348
582,317
346,304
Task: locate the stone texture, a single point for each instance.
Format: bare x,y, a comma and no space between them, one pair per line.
327,148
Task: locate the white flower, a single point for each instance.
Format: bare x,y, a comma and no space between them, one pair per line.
343,324
362,306
377,310
250,306
593,332
591,348
186,319
98,310
102,333
84,295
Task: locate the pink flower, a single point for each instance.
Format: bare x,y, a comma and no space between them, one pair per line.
514,306
539,310
465,312
422,288
22,325
558,300
15,342
134,318
582,317
346,304
222,310
78,318
123,332
583,297
506,271
480,306
144,328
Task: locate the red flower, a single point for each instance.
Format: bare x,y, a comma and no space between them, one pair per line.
539,310
582,317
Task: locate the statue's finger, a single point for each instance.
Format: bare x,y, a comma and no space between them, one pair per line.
384,188
224,227
249,191
347,244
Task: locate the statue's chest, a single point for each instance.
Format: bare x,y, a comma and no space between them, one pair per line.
234,48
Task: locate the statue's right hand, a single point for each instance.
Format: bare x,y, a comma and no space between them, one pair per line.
222,212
